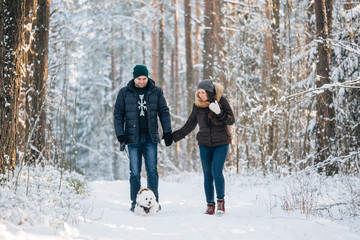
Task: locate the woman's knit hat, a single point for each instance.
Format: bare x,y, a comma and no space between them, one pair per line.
207,85
140,70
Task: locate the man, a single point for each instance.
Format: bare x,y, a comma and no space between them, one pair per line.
135,118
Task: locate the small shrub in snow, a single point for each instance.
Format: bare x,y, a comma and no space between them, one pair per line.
302,193
43,196
79,185
336,198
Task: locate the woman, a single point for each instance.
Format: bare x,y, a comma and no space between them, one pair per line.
213,114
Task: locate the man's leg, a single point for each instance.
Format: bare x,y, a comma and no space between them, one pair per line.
135,155
150,156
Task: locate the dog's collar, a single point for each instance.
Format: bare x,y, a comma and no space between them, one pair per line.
146,209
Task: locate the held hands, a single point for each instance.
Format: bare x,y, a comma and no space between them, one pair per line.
214,106
167,139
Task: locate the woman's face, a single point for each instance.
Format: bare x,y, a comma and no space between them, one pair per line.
202,95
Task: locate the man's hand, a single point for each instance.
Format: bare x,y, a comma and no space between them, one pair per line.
121,139
168,139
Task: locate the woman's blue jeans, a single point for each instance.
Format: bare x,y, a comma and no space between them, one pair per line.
212,161
148,149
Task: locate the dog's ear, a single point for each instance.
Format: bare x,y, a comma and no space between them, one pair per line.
143,189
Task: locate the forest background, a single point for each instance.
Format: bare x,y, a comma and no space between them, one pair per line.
290,70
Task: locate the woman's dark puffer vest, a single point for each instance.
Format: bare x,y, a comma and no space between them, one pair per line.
126,113
213,129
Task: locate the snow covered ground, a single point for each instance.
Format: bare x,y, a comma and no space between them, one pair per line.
250,214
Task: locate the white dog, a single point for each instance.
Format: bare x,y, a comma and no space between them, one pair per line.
146,204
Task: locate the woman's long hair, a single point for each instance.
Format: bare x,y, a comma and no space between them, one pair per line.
211,96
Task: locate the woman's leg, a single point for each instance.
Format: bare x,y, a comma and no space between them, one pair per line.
218,161
206,155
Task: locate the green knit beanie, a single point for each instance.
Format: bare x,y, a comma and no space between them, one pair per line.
140,70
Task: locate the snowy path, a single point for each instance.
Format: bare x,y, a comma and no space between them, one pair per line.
182,200
182,216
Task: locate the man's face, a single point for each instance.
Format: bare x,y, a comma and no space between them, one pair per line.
141,81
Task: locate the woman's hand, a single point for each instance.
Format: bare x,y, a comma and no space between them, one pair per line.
214,106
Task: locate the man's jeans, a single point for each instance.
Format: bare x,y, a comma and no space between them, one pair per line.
212,161
147,149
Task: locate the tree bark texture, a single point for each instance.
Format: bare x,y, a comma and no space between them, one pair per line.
41,47
189,76
13,19
189,56
325,116
348,5
24,125
208,52
197,48
219,41
267,59
329,10
154,47
176,76
161,46
2,55
274,78
2,84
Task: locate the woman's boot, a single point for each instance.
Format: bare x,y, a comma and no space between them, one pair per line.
220,206
210,209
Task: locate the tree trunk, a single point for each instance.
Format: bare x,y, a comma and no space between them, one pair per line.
208,52
143,40
25,102
113,78
348,5
287,118
41,49
143,48
189,57
310,29
176,56
267,58
274,79
197,48
219,42
161,46
176,80
2,84
154,47
325,115
2,51
189,77
329,10
13,39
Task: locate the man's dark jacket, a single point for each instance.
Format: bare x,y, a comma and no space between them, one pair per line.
126,112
